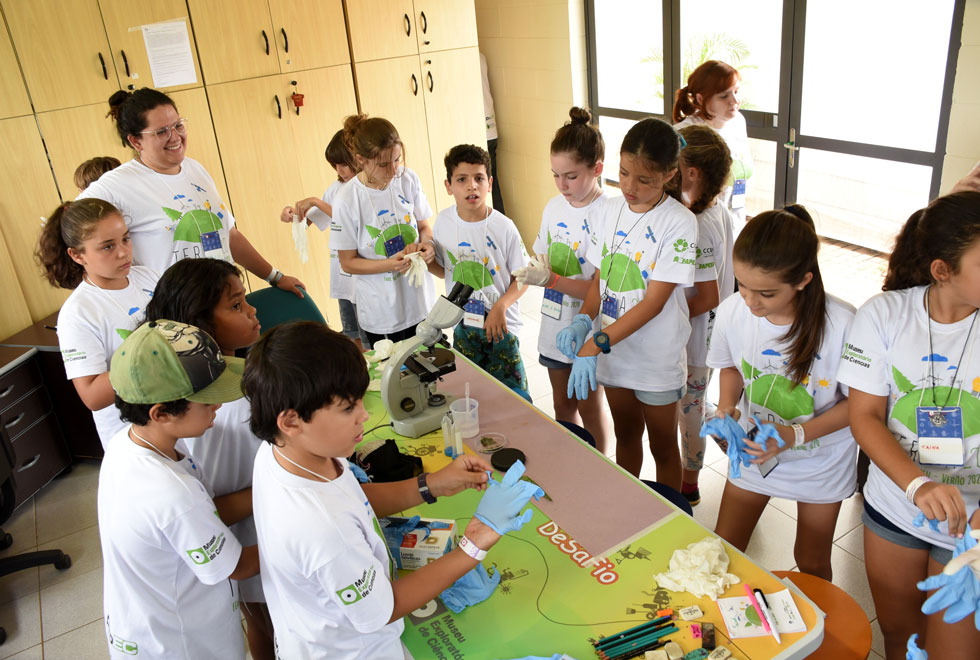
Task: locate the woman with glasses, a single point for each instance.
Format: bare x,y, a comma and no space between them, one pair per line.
169,201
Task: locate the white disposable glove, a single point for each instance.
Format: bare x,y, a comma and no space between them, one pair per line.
300,239
418,269
536,273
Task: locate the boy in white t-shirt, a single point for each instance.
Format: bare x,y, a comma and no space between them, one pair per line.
168,553
480,247
326,571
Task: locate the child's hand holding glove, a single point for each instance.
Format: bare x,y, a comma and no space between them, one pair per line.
500,507
571,339
535,273
958,590
474,587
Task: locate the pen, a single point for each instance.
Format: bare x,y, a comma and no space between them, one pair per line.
764,604
758,610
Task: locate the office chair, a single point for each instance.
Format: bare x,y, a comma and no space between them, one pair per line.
8,487
274,306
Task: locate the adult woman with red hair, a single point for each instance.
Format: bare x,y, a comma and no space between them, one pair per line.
711,97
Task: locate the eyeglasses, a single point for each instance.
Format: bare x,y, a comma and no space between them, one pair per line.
163,134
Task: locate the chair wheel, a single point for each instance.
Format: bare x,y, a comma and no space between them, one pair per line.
5,542
63,563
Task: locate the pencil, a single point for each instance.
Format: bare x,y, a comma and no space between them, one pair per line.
643,626
624,647
633,636
641,650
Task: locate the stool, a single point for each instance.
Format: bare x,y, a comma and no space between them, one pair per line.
847,631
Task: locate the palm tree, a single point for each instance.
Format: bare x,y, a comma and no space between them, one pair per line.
700,48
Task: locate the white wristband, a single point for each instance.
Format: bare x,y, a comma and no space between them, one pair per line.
800,435
914,487
467,546
274,276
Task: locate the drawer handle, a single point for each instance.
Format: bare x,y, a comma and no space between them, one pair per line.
408,26
105,72
278,107
415,86
29,464
285,39
15,421
266,37
429,76
425,23
125,61
10,388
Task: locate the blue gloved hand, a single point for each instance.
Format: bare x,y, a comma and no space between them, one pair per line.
570,339
913,650
359,473
395,531
501,504
728,430
582,379
766,431
474,587
921,519
958,592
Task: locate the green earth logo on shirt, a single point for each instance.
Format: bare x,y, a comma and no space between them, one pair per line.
562,257
904,408
620,272
191,224
407,232
776,392
470,273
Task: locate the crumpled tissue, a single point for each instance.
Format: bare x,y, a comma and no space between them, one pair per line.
300,239
701,569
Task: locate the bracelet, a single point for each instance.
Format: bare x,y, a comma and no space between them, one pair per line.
800,434
424,491
274,276
552,281
914,487
467,546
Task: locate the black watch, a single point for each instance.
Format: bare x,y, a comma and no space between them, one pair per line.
424,491
601,340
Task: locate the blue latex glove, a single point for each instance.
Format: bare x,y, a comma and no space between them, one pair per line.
359,473
570,339
501,504
474,587
957,593
921,519
582,379
395,533
767,431
728,430
913,650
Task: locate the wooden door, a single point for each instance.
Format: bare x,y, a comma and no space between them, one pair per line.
63,50
393,89
234,39
309,33
453,90
445,24
201,143
122,19
381,29
14,314
29,194
14,101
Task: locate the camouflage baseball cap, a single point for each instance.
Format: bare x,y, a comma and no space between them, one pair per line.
165,360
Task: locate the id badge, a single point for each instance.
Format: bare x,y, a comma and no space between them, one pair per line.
394,245
738,194
609,312
474,314
768,466
940,432
211,244
551,304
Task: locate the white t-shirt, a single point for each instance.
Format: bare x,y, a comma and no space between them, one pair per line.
167,213
167,557
481,255
755,347
736,137
565,236
225,455
326,570
341,283
91,326
887,354
363,219
713,262
633,250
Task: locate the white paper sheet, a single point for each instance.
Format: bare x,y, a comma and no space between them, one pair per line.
168,48
741,618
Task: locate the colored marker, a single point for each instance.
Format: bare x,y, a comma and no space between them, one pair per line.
758,610
620,649
612,639
764,604
621,639
642,650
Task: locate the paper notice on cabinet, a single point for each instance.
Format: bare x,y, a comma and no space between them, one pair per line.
168,49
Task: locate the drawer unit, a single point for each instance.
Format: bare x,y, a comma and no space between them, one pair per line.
40,454
25,411
18,382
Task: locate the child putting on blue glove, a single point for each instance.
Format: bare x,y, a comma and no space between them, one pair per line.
326,570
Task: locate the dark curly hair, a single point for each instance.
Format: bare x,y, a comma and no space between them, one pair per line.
68,227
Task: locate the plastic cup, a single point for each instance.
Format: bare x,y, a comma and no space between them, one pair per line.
467,420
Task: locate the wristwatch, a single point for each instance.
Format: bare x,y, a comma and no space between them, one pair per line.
471,550
424,491
601,340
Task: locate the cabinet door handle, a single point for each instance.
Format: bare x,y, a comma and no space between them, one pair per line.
278,107
415,85
105,72
266,37
125,61
425,22
10,388
429,75
285,39
408,26
28,464
15,421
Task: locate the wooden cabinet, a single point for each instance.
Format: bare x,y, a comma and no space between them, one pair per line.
122,20
63,50
14,313
383,29
445,24
275,157
29,193
13,94
254,38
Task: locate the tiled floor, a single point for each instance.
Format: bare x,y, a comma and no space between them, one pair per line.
57,615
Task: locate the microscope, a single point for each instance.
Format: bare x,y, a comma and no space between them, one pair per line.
408,384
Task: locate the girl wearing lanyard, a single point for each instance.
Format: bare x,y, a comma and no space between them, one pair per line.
380,217
85,246
645,254
778,346
711,96
914,372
